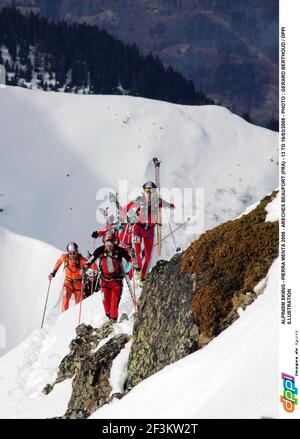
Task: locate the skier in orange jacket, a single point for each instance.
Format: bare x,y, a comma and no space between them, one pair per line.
73,265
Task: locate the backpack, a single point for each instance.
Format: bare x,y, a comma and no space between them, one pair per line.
77,264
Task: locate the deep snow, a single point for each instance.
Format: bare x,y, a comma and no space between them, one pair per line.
58,150
215,382
25,370
235,376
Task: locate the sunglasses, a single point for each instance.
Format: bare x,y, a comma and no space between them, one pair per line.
148,189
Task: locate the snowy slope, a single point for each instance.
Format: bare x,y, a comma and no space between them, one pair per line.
57,150
217,381
25,370
24,266
235,376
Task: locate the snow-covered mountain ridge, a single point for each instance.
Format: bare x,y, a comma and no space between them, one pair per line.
247,349
58,150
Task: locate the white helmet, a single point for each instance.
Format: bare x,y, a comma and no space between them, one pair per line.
72,247
92,273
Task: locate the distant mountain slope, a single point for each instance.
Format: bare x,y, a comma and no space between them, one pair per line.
78,58
229,48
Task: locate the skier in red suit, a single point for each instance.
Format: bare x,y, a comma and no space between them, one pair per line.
146,205
110,258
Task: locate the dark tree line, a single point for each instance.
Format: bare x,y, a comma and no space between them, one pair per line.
76,57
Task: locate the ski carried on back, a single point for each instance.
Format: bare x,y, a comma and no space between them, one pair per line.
157,182
104,213
114,199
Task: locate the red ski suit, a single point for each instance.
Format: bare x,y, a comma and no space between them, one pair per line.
111,277
143,231
125,237
73,280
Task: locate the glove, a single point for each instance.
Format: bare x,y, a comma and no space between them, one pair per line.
51,275
95,235
172,206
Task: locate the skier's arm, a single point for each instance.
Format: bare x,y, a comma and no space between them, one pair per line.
99,233
58,264
164,203
56,267
82,264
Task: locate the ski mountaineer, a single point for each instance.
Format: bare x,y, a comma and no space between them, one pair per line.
111,226
91,282
74,264
146,205
110,258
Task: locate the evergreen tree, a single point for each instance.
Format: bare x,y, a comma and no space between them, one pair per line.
273,125
79,55
247,117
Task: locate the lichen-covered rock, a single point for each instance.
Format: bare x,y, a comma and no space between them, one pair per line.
226,263
185,303
164,330
90,386
87,339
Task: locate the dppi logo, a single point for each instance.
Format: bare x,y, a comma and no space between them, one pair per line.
288,398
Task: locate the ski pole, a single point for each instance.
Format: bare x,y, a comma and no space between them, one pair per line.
46,303
177,228
171,231
81,298
158,226
131,292
134,289
94,246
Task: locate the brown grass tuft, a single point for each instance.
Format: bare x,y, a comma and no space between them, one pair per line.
226,263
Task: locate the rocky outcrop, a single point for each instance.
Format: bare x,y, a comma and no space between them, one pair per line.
91,388
90,364
188,301
185,303
164,330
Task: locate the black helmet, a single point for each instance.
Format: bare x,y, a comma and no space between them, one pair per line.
72,247
149,185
